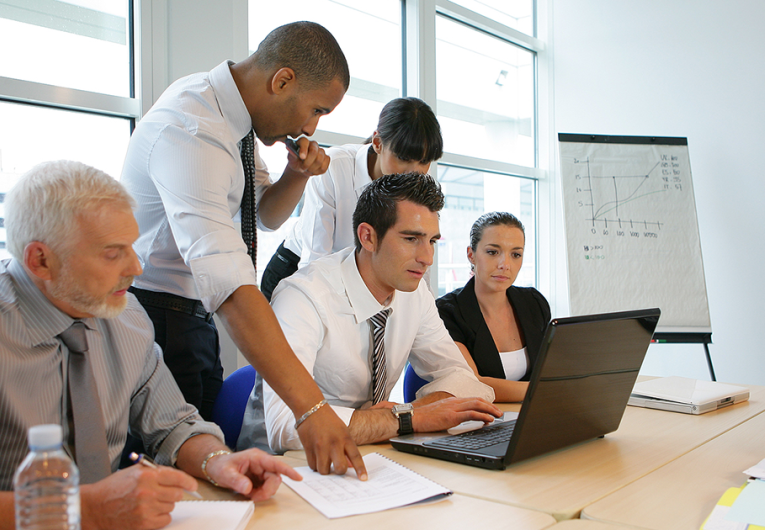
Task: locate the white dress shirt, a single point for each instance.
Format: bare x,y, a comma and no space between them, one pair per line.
323,310
325,224
184,169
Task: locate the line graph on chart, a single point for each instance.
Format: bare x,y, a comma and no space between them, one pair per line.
611,194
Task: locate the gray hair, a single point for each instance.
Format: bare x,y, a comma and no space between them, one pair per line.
46,201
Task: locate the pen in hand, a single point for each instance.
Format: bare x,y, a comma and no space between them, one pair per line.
144,460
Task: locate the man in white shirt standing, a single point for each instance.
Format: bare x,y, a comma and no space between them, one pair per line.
330,308
184,168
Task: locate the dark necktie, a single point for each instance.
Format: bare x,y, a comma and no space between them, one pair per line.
249,207
90,448
379,371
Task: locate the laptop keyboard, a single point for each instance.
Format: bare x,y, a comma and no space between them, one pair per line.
477,439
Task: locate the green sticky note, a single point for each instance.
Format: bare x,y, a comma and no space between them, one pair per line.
750,505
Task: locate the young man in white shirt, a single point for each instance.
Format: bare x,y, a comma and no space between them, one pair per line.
325,311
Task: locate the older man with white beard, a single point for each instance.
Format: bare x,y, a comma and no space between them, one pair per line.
76,349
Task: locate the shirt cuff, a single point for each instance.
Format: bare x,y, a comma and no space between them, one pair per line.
461,384
344,413
168,451
218,274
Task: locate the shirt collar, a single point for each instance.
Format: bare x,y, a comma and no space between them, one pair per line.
361,177
43,320
363,303
230,101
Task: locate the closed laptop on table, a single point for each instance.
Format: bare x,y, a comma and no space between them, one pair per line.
585,371
689,396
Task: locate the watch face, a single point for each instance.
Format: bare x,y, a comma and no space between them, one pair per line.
403,408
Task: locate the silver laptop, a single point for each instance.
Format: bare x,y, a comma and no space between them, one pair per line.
585,371
689,396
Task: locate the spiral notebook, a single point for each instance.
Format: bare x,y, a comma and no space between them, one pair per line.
390,485
204,515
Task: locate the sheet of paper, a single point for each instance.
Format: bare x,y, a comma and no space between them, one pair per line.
717,520
757,470
390,485
750,505
204,515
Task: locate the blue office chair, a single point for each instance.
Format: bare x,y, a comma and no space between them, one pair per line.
412,383
228,410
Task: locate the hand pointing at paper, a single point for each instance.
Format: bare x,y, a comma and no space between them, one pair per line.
252,473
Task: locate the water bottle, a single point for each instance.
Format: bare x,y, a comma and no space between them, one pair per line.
47,484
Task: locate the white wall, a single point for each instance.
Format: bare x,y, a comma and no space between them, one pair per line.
693,69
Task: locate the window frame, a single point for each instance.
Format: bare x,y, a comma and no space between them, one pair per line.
63,98
420,80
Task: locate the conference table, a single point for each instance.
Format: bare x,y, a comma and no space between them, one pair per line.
287,510
658,470
681,494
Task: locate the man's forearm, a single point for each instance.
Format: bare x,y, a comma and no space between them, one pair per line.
256,332
279,200
372,426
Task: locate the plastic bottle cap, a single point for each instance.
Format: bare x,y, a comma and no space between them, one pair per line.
45,436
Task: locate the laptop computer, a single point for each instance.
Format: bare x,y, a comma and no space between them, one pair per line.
585,371
689,396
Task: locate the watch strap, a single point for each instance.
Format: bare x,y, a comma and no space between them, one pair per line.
405,423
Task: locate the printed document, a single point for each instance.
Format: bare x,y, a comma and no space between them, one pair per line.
390,485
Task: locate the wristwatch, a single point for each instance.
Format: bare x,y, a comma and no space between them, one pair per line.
404,413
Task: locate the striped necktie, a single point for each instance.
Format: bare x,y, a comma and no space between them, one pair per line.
379,371
249,207
90,448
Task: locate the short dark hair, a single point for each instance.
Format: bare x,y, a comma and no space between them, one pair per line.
309,49
408,127
377,205
492,219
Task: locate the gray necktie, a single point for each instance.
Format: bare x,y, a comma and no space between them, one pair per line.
90,449
249,207
379,371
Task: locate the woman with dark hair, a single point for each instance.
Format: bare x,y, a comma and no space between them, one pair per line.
407,139
498,327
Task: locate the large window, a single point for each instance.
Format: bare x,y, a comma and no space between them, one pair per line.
485,90
70,93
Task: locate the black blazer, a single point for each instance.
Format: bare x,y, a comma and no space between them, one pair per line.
463,319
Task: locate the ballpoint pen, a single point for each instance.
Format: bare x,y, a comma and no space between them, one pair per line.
145,460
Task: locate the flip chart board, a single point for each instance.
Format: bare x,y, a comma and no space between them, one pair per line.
631,229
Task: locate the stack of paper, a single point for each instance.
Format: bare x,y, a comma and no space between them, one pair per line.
204,515
741,508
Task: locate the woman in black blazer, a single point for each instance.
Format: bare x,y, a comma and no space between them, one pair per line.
490,315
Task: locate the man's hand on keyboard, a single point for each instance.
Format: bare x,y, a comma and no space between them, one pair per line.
446,413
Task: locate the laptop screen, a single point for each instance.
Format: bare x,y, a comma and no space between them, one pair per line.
588,366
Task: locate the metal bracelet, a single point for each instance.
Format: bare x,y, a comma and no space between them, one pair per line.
313,409
207,459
